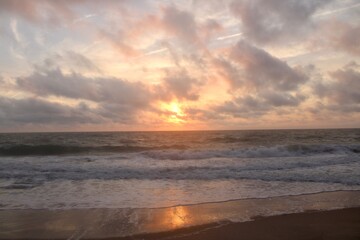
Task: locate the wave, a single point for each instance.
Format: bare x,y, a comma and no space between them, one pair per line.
320,169
49,149
208,174
181,152
230,139
254,152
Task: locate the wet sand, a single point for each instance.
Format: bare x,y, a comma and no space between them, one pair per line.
341,224
308,216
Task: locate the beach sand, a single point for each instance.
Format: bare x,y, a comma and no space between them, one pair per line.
341,224
327,215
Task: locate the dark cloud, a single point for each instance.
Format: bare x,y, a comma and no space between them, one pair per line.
342,93
346,86
202,114
114,100
33,111
279,99
111,99
37,111
255,69
255,105
180,23
265,82
70,60
272,20
209,28
107,90
259,83
181,26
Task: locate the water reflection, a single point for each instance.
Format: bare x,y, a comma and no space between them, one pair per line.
106,223
179,217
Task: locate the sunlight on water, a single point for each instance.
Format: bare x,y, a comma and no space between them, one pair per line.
107,223
162,169
179,217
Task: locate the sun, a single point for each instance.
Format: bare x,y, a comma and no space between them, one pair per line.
175,114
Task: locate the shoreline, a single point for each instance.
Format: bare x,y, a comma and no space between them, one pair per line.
155,222
339,224
191,204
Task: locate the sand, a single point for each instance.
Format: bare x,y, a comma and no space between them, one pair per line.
309,216
341,224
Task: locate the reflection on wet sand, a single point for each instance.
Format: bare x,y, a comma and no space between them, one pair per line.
179,217
106,223
168,219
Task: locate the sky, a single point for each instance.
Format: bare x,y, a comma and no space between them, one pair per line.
133,65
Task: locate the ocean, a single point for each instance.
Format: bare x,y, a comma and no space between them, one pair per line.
139,170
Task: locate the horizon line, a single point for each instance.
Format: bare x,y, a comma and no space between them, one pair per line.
205,130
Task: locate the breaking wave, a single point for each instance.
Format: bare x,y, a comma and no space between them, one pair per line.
255,152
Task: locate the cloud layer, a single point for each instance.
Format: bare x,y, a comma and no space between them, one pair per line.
151,65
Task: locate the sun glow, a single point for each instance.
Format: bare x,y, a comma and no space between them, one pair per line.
174,113
179,217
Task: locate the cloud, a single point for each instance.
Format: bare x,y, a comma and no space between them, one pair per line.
69,60
256,105
253,69
57,12
115,100
179,23
342,93
80,61
209,28
37,111
178,84
266,21
259,82
15,31
345,38
189,54
40,11
112,100
120,41
228,71
184,27
169,22
75,86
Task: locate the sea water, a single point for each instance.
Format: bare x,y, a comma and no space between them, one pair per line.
161,169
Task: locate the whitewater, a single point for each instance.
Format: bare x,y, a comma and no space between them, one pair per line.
161,169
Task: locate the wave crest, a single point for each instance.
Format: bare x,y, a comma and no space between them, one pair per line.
255,152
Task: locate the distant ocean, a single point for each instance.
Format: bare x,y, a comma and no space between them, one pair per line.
160,169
